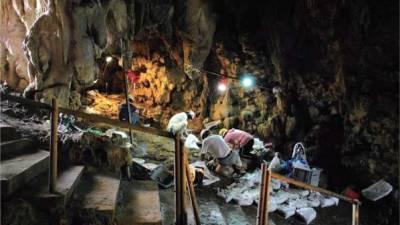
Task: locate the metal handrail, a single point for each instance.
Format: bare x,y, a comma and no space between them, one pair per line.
180,156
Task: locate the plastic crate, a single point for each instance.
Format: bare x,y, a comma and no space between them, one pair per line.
306,175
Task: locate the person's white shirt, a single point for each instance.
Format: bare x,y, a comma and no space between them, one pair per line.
215,146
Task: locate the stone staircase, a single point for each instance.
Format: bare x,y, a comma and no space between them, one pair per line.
24,174
20,161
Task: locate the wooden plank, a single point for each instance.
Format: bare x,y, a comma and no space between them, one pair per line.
356,215
192,195
266,196
314,188
114,122
180,182
262,210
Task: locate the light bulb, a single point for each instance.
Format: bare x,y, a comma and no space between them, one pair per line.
222,87
109,59
247,82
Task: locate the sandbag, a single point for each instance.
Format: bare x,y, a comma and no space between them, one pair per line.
286,211
326,202
306,214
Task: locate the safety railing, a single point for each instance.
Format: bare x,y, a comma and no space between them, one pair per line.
266,175
181,166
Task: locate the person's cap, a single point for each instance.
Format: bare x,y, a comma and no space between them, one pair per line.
222,132
192,114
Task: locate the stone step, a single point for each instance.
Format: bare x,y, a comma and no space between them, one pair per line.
66,183
18,171
140,204
98,194
7,132
210,212
234,215
15,147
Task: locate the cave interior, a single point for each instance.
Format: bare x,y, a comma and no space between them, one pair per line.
321,73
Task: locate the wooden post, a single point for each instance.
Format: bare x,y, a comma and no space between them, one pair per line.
176,185
182,171
53,146
356,214
126,64
192,195
180,183
262,211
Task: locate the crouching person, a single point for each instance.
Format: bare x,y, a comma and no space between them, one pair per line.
243,141
239,139
222,155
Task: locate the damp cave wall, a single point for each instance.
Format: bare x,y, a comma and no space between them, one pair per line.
328,69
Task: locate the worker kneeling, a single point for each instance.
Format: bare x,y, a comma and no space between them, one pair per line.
223,157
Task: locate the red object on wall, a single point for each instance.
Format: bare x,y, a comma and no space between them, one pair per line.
133,76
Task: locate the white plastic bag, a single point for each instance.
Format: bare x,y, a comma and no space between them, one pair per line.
258,144
275,184
272,206
191,142
299,152
275,165
307,214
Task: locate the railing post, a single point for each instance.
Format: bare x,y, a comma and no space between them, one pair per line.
180,183
262,211
53,146
192,195
356,214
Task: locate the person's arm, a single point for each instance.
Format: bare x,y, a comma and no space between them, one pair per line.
235,144
203,151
